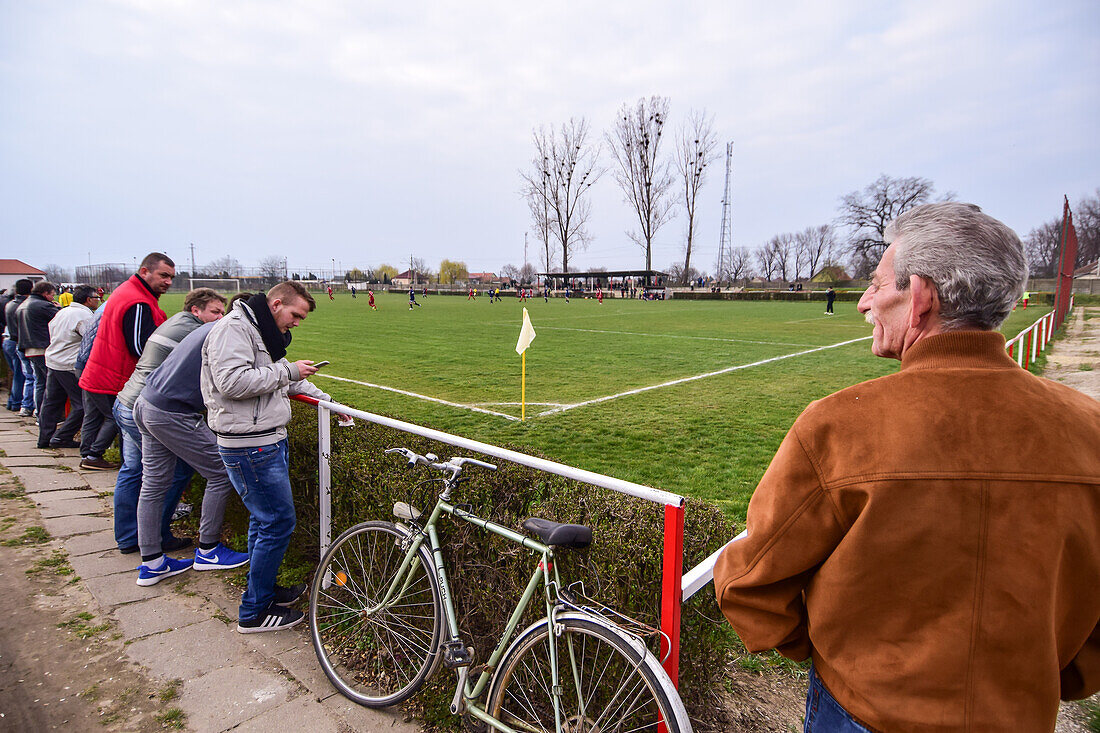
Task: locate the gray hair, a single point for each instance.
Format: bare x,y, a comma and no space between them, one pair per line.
976,262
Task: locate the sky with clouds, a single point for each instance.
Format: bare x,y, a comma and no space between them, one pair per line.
370,132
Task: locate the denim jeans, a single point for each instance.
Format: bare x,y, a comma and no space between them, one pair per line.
261,476
11,355
824,714
38,365
28,380
128,483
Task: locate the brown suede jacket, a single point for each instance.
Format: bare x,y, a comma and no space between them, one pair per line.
932,539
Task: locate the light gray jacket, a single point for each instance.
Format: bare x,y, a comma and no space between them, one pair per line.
245,392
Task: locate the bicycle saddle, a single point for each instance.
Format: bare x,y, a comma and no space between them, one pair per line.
572,536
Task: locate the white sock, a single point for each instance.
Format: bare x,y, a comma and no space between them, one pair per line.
207,553
155,564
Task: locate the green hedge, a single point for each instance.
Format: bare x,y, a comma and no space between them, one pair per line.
622,567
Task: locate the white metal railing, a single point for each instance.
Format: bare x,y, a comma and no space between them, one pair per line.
672,564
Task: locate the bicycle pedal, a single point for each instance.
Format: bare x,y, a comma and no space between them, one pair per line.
456,654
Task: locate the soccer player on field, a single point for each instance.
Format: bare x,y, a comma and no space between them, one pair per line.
370,299
330,296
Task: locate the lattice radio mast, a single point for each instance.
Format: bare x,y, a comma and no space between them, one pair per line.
725,242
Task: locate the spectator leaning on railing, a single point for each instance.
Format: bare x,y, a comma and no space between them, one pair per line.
169,414
66,330
200,306
129,317
245,384
33,318
931,539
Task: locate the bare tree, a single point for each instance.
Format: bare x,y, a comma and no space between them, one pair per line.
1043,246
564,167
766,256
646,179
227,266
815,246
739,263
273,268
510,272
1086,220
866,214
57,273
420,269
695,151
783,248
538,201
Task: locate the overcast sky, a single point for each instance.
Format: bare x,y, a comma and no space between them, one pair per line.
367,132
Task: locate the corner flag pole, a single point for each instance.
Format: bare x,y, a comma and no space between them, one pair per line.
526,335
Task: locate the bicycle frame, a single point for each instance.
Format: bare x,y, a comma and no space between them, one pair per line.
466,692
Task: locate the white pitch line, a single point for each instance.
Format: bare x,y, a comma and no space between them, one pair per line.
418,396
682,380
672,336
517,404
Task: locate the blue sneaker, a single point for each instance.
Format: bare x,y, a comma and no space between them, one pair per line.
171,566
219,558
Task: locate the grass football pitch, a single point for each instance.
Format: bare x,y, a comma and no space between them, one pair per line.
689,396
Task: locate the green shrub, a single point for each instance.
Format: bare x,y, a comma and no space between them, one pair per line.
622,568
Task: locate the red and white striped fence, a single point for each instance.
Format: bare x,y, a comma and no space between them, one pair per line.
1031,342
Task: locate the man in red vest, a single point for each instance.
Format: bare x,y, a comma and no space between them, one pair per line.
130,316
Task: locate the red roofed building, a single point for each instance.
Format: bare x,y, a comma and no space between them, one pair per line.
12,270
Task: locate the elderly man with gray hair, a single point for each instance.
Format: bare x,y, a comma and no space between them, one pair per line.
931,539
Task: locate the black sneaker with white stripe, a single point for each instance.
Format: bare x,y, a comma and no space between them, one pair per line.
286,596
273,619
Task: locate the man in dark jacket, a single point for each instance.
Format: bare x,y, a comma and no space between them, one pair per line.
33,317
20,398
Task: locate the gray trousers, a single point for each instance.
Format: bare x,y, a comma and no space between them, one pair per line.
166,436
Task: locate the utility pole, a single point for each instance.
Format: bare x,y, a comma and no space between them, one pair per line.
726,239
192,259
525,252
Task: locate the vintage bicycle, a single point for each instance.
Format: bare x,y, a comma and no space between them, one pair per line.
382,621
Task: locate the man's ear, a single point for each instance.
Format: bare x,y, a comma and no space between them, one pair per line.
925,300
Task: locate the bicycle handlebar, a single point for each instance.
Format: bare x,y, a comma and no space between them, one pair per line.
454,465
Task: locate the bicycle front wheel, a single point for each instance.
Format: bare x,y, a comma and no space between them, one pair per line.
609,682
376,627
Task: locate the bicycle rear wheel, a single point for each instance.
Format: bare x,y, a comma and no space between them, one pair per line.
376,651
609,682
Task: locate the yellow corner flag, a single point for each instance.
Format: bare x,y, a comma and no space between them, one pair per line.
526,336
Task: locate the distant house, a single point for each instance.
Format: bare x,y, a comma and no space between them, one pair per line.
12,270
1090,271
830,274
407,278
481,278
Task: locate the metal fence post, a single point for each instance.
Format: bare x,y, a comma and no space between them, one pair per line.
324,477
672,590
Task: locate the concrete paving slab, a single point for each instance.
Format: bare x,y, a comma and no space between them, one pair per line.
102,564
302,663
114,590
49,498
71,507
359,718
191,651
67,526
45,460
301,713
99,480
242,693
47,479
163,613
72,462
272,645
20,448
85,544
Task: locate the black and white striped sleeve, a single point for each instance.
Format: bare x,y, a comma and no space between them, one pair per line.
137,326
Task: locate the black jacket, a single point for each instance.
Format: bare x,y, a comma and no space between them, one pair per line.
33,318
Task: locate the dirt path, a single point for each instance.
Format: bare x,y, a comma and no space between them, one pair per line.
1075,359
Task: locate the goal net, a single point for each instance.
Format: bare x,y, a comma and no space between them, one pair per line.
221,284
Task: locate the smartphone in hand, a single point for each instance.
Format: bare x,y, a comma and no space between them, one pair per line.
319,364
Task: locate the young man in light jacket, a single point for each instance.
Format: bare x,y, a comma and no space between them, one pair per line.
66,330
246,381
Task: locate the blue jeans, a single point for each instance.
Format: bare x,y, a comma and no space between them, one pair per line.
824,714
28,380
261,476
11,356
128,483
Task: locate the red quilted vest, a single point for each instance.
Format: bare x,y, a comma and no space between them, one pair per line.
111,363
